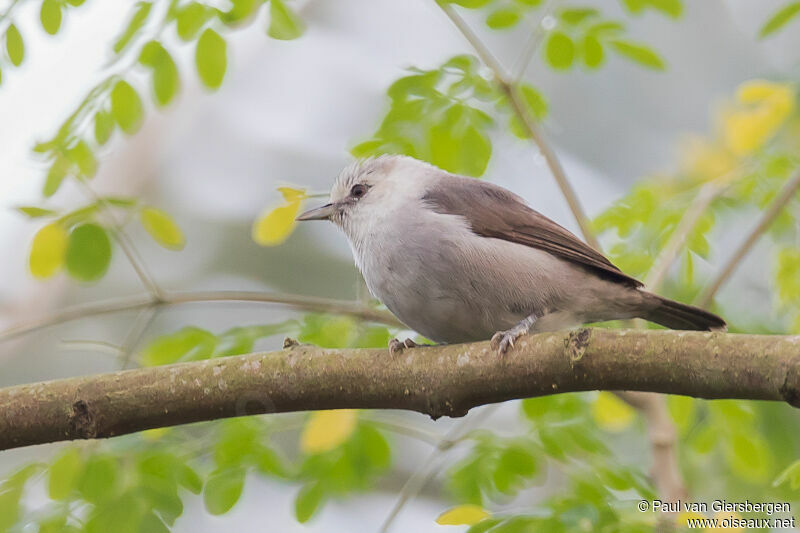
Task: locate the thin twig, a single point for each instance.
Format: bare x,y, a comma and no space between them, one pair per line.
666,258
532,129
767,218
125,242
427,471
534,41
140,326
666,472
6,15
133,303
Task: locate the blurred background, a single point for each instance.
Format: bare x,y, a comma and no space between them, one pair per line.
288,113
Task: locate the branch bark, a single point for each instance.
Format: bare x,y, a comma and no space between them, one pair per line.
438,381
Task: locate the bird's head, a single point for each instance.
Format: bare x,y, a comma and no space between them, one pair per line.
368,190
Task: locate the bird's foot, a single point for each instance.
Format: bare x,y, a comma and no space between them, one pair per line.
396,347
503,340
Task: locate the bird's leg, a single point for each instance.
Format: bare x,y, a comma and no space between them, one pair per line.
503,340
396,347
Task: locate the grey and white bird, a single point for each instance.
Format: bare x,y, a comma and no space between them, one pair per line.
459,259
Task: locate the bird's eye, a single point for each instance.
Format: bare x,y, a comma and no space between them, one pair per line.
358,190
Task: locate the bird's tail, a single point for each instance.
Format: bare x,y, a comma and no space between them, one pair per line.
675,315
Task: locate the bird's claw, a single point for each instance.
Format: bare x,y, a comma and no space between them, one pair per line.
503,340
396,347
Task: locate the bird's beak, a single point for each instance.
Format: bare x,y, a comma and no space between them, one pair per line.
320,213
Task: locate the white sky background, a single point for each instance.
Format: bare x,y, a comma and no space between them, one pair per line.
288,112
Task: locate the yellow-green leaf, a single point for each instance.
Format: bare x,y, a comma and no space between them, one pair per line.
55,176
463,515
211,58
126,107
137,20
283,23
50,15
611,413
33,211
88,252
190,19
291,195
559,50
162,228
103,126
15,46
275,227
82,156
165,73
326,430
503,18
592,51
223,489
64,474
639,53
780,19
48,251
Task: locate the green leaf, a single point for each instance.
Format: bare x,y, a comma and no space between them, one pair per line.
64,474
50,15
749,455
140,14
223,489
592,51
55,176
126,107
308,501
469,4
15,46
165,73
284,24
639,53
503,19
211,58
98,481
241,10
151,523
607,27
82,156
186,344
780,19
534,101
683,410
36,212
88,252
103,126
574,16
559,50
458,146
190,19
162,228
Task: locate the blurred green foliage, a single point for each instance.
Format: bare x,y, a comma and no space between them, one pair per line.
589,450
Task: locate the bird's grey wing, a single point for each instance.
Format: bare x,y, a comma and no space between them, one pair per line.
493,211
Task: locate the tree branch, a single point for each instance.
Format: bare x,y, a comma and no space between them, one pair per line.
786,194
438,381
531,128
308,303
